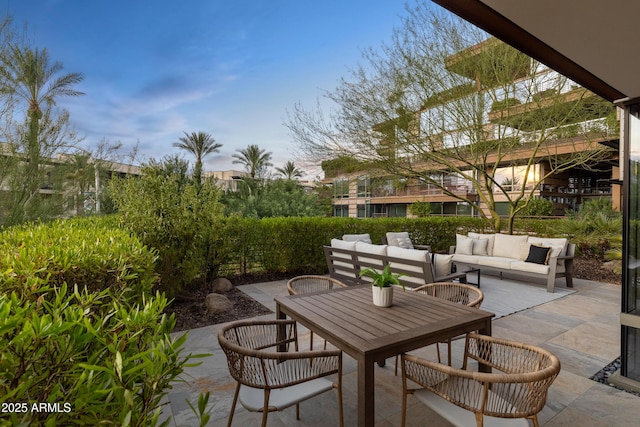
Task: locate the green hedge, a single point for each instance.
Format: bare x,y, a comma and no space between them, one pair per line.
294,245
89,252
80,332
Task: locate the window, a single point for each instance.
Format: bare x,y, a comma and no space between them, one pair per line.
364,211
341,210
364,186
341,188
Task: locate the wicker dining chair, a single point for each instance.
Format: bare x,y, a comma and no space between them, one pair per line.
270,380
311,283
459,293
466,397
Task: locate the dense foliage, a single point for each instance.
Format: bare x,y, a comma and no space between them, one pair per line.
80,331
175,217
274,198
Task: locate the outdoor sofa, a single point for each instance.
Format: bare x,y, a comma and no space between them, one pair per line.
520,255
345,259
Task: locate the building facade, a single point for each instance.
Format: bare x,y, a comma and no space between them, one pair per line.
516,110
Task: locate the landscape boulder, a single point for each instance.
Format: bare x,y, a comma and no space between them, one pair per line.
222,284
216,303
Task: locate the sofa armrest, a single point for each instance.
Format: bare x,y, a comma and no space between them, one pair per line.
452,250
423,247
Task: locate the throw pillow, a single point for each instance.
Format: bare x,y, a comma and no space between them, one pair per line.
401,240
538,254
480,246
464,246
442,264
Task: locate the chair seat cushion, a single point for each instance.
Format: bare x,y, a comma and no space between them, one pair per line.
461,417
253,398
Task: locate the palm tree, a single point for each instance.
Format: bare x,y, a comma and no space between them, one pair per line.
28,76
254,159
290,171
29,80
200,144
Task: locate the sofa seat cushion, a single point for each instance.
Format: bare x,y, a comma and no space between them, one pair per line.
529,267
466,259
508,246
495,262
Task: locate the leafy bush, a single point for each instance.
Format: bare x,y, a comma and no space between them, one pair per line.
177,219
596,229
420,209
110,366
87,252
538,207
276,198
79,328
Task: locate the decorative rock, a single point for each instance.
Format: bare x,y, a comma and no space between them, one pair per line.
216,303
222,285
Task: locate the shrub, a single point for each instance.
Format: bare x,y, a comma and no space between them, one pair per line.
172,216
110,366
596,228
87,252
80,331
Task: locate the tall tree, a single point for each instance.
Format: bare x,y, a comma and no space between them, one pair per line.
200,144
31,82
444,104
290,171
255,160
29,77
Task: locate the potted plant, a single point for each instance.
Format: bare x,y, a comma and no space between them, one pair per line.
382,285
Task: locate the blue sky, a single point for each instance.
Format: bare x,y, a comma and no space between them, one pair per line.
153,69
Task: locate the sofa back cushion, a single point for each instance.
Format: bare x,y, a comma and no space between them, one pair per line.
378,262
442,265
349,269
553,243
464,245
400,239
413,255
538,254
508,246
490,240
357,238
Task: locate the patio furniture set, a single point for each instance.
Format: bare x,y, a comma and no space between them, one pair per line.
506,385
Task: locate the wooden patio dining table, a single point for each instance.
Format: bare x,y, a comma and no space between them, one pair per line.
347,318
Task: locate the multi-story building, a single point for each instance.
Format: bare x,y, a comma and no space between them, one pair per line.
361,192
67,185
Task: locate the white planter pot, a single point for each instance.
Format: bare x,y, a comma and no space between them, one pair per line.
382,297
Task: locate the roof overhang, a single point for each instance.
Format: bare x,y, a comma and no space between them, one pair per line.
593,42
